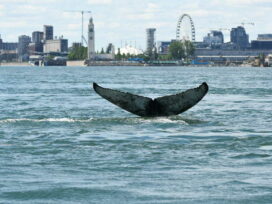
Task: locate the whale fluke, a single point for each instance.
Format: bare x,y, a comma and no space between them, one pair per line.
147,107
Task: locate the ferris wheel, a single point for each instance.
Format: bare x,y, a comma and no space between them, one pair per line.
185,28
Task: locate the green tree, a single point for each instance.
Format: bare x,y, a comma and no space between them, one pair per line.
176,50
102,51
109,48
189,48
181,49
78,53
118,56
143,56
164,57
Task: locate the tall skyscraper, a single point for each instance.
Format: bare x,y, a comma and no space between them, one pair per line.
36,45
48,32
91,40
23,47
150,40
239,37
37,37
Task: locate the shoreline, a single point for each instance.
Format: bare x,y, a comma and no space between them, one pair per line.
120,64
14,64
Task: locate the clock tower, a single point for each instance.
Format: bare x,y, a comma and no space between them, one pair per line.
91,47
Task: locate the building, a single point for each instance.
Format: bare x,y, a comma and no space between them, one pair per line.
128,50
37,37
214,39
163,47
91,40
150,40
8,45
37,42
8,51
239,37
264,37
222,56
76,44
263,42
57,45
35,48
23,43
48,32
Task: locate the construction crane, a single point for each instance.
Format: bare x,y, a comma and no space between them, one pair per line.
224,29
83,39
247,23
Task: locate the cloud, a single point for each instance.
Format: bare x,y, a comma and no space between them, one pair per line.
71,15
74,26
117,20
1,10
97,2
239,3
17,24
247,2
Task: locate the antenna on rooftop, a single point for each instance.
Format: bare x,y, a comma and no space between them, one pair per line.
247,23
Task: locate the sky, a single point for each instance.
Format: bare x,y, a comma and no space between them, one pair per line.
124,21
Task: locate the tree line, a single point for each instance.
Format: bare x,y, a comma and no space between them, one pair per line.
178,50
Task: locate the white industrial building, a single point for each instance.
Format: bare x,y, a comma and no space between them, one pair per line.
57,45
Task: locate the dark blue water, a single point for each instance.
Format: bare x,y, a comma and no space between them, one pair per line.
62,143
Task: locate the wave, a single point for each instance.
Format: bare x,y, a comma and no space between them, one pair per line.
69,120
266,147
124,120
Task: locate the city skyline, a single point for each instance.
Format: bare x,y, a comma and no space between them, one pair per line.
119,20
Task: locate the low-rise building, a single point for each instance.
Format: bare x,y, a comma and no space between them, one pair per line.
223,56
214,39
163,47
8,45
57,45
263,42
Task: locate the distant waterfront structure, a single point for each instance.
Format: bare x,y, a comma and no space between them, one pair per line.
150,40
48,32
23,43
91,40
129,50
58,45
7,45
37,42
265,37
76,44
239,37
8,51
263,42
37,37
214,38
163,47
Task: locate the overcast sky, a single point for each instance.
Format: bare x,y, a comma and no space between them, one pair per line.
126,20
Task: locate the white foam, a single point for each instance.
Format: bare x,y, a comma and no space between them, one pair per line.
68,120
267,147
164,121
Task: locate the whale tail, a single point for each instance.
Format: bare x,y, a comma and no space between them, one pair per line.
147,107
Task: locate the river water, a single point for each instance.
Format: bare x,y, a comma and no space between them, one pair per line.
62,143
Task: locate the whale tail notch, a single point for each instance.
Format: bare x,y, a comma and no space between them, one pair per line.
147,107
